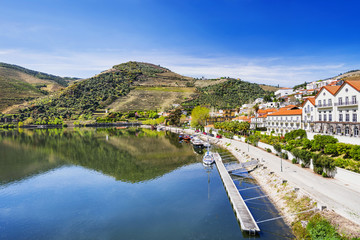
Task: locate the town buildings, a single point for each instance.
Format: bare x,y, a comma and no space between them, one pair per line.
285,120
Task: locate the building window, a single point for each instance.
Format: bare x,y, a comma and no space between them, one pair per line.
311,118
308,108
354,117
346,100
338,130
329,102
312,108
346,90
353,98
324,102
324,117
331,129
340,100
305,118
356,131
319,117
340,117
319,102
347,131
347,117
330,117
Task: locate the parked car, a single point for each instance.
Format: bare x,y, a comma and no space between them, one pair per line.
218,136
204,133
197,130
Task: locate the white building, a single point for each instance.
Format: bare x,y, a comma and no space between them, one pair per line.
337,110
309,113
285,120
284,92
320,84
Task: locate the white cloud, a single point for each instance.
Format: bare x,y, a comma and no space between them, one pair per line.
271,70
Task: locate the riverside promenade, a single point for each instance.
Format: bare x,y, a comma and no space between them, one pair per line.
342,197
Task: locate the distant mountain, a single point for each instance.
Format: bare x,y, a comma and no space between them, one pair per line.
18,84
141,86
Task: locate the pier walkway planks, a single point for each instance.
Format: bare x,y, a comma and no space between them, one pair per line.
243,214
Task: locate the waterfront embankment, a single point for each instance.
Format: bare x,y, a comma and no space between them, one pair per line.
286,183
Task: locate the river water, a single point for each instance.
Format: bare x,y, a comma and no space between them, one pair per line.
117,184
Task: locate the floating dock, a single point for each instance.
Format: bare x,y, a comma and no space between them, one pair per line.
247,222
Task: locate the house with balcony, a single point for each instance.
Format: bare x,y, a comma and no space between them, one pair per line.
285,120
337,110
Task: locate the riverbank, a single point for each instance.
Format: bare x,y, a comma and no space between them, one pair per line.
296,190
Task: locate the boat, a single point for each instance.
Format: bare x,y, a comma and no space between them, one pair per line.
208,158
197,142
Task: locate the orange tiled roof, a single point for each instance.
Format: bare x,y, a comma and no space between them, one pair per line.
310,99
355,84
283,112
243,118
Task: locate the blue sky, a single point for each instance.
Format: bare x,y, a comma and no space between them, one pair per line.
265,41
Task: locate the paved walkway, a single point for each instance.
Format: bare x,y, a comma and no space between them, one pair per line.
343,198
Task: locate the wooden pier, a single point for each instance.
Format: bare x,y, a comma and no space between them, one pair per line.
247,222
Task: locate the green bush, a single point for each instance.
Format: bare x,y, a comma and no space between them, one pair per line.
285,155
343,148
294,161
331,149
268,150
306,143
320,229
302,154
320,141
277,147
322,162
355,152
295,134
289,147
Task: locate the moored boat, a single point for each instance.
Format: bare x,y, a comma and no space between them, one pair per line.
208,158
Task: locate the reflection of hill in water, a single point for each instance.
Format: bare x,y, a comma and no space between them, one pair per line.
124,156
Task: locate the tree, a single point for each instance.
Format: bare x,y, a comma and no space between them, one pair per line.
198,116
320,141
174,117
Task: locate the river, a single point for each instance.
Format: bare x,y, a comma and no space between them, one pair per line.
117,184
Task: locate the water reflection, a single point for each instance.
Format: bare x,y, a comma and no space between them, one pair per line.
129,155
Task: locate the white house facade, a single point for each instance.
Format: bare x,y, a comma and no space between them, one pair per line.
337,109
284,92
285,120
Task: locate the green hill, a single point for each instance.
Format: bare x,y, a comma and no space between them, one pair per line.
141,86
229,94
18,84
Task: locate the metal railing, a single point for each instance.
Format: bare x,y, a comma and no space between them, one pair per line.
346,103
